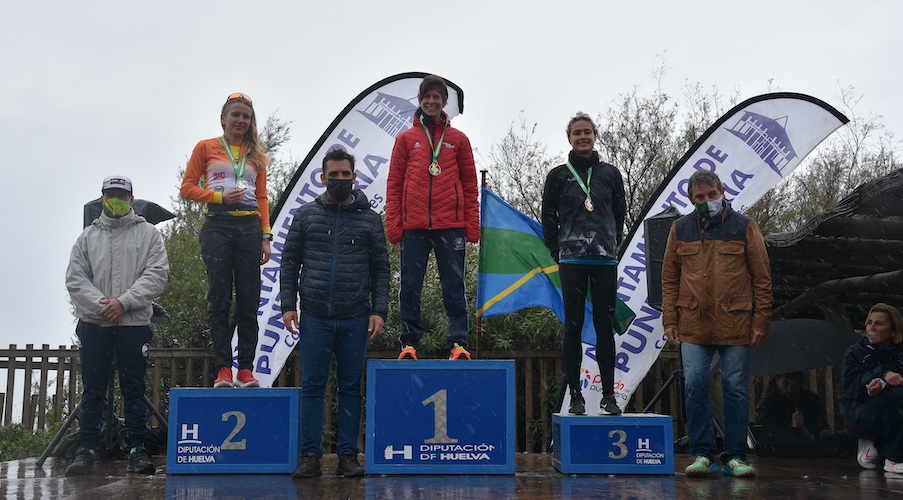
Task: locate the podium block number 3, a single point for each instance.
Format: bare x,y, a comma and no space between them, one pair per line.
440,418
619,444
240,421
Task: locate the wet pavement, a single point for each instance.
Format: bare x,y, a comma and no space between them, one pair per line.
535,478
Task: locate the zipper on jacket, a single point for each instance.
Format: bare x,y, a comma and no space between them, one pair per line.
335,252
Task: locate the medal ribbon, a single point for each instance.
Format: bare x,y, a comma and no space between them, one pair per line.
436,150
239,169
589,175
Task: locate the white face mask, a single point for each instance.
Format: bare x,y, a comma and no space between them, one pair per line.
710,208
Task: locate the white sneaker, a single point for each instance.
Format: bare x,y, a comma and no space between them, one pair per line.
867,453
895,467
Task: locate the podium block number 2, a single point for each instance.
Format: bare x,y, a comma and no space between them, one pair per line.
440,418
240,421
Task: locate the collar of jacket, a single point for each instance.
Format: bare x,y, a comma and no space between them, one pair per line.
429,121
107,222
359,201
583,162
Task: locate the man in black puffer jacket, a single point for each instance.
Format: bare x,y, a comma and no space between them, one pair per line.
336,251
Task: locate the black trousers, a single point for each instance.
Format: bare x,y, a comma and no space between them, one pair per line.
231,249
880,419
602,281
96,349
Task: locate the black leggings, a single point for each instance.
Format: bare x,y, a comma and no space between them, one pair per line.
603,285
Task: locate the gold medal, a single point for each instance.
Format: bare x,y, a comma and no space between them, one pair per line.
435,170
588,203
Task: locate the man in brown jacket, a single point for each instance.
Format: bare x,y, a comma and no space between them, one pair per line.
716,294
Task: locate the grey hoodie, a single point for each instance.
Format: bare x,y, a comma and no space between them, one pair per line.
117,258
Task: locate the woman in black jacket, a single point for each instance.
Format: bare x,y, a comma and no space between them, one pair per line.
871,398
583,209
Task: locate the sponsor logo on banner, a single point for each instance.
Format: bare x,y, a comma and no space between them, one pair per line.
751,148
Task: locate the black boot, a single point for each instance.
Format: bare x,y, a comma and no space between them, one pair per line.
308,466
82,464
139,461
349,466
578,404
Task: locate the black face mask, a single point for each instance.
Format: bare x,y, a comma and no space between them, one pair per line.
339,189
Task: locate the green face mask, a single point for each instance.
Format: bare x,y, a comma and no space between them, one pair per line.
116,208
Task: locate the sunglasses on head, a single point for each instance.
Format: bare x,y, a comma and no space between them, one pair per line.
239,95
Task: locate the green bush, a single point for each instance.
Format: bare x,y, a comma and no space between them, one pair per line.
18,442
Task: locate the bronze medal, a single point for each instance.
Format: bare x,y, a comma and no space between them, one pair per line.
435,170
588,203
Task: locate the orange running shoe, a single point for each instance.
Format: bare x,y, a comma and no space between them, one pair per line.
246,379
458,351
408,353
223,378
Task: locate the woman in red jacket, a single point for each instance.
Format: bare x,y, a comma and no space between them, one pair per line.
432,205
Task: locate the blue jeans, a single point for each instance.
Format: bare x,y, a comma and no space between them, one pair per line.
697,361
320,339
97,347
449,246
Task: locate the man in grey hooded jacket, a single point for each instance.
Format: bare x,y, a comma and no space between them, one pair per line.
118,266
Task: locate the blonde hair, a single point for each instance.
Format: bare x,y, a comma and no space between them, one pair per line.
256,154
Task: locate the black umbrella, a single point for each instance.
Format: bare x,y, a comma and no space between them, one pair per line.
800,344
154,213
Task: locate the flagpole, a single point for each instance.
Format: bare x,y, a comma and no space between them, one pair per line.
483,173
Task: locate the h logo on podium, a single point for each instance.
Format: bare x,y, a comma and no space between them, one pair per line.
407,452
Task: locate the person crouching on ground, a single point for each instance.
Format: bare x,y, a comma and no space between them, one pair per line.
871,395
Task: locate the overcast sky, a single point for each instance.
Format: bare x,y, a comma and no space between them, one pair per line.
92,88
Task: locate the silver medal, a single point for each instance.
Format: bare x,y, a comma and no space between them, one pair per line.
241,184
588,203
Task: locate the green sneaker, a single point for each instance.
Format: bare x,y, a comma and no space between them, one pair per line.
738,468
701,467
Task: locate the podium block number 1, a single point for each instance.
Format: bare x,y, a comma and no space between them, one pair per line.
440,418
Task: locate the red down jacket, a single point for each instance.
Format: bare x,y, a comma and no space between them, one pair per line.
415,199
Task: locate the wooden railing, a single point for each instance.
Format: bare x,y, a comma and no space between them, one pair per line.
43,385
